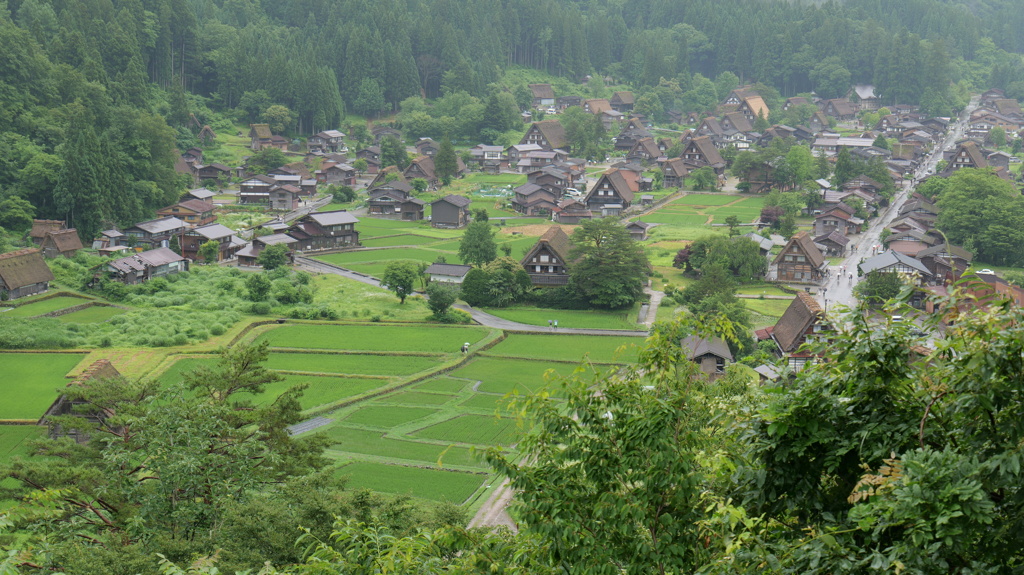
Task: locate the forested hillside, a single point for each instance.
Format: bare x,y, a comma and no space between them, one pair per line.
92,92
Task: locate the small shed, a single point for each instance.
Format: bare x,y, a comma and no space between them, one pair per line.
62,243
711,354
448,273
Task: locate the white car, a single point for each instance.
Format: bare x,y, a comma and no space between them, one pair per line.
573,192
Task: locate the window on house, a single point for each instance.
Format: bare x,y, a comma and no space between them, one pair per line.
544,258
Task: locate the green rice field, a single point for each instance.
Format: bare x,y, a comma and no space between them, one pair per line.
14,439
501,376
474,429
769,307
375,443
321,390
705,200
379,337
484,401
44,306
402,240
568,347
432,484
386,417
414,398
351,363
94,314
442,385
30,381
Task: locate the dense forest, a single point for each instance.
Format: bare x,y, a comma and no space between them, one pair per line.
95,94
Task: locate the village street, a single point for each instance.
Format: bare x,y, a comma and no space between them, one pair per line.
838,287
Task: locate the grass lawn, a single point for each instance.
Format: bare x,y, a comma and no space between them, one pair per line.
350,364
366,442
389,254
402,240
94,314
685,220
45,306
415,398
386,417
501,376
29,382
374,337
761,289
569,318
569,347
432,484
474,429
442,385
768,307
752,202
14,439
705,200
354,299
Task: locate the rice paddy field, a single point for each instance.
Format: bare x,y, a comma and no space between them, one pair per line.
691,216
93,314
594,319
374,337
567,347
29,382
44,306
431,484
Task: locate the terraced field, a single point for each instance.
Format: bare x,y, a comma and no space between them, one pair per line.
29,382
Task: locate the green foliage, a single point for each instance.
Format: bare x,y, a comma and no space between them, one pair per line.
279,118
273,257
879,287
419,185
400,277
704,178
477,246
258,286
445,162
210,251
342,194
392,153
997,136
609,269
980,211
441,296
266,160
16,214
739,256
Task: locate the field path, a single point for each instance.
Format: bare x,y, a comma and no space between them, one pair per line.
488,320
324,267
493,512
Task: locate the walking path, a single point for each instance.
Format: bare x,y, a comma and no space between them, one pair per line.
488,320
324,267
839,290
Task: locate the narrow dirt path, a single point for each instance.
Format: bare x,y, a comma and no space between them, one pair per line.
493,512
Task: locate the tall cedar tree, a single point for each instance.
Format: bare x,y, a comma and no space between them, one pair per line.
445,163
478,246
82,181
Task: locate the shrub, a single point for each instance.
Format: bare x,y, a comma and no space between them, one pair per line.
375,318
455,316
261,308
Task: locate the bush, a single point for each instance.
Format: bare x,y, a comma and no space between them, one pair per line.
455,316
261,308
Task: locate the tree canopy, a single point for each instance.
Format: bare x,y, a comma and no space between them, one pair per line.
608,268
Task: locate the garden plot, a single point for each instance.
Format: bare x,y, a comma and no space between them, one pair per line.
29,382
373,337
432,484
376,443
602,349
474,429
44,306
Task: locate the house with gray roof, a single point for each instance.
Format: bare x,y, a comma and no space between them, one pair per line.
145,266
892,261
450,212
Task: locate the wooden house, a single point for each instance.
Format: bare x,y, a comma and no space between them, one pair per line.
227,242
543,95
427,147
215,171
800,261
385,174
249,255
335,173
867,99
674,173
967,155
549,135
447,273
192,155
622,102
839,108
259,136
61,243
701,151
156,233
144,266
534,200
285,198
833,243
394,200
256,190
423,167
41,228
489,158
596,106
839,218
945,262
894,262
645,151
712,355
192,212
572,211
611,194
325,230
803,321
752,107
99,370
381,132
23,273
630,134
638,230
563,102
371,155
552,179
199,194
326,142
450,212
547,261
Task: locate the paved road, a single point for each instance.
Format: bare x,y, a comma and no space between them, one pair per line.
323,267
486,319
839,290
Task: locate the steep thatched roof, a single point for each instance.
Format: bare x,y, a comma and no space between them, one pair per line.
24,268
